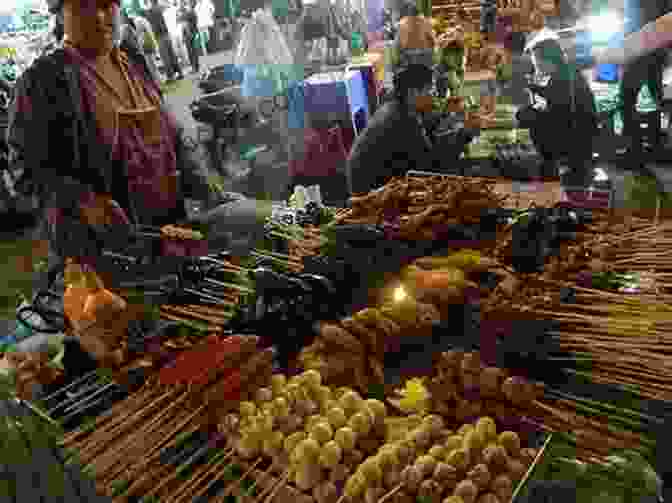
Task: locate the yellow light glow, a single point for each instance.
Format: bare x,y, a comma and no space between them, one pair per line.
400,294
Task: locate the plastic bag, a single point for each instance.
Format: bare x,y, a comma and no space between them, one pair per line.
262,43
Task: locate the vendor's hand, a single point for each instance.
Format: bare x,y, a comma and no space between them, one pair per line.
101,211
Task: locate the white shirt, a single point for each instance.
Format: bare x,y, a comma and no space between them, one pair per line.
170,15
205,11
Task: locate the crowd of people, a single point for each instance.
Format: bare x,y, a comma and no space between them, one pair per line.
109,151
148,33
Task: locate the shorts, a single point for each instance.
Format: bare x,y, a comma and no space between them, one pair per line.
489,88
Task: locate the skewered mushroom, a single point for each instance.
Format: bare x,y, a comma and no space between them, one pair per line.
480,475
466,490
502,486
411,477
345,438
511,442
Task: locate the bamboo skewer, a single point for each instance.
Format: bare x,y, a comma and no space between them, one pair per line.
391,493
167,480
236,485
211,472
112,456
108,436
278,486
531,469
155,453
271,487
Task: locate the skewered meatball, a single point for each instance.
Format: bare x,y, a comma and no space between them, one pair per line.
339,473
411,477
466,490
516,469
430,489
480,475
373,494
488,498
426,465
326,492
495,457
391,479
502,486
511,442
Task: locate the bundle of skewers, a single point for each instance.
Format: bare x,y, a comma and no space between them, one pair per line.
434,463
416,208
127,443
211,294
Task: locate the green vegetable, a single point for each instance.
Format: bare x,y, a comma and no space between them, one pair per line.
119,487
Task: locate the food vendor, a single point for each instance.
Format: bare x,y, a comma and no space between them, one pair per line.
89,130
395,140
555,115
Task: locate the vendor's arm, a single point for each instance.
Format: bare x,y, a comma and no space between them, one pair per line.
654,35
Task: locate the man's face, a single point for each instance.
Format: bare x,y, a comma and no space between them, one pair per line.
92,24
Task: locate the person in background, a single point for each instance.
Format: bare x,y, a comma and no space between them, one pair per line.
155,16
647,70
148,43
190,33
395,140
565,109
515,89
129,34
205,13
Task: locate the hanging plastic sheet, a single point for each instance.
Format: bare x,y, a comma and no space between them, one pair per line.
264,56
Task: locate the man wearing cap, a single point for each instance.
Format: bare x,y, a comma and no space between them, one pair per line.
563,119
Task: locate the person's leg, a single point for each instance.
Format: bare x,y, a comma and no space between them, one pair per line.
151,64
631,83
192,47
174,60
164,51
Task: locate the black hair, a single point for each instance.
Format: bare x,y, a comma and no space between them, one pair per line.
414,76
409,9
517,41
551,52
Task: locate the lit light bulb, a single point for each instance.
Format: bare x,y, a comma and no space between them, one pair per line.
400,294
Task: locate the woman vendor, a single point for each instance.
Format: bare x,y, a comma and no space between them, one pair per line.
395,140
89,129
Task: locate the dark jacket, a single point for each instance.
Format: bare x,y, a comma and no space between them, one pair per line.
54,142
559,114
392,144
